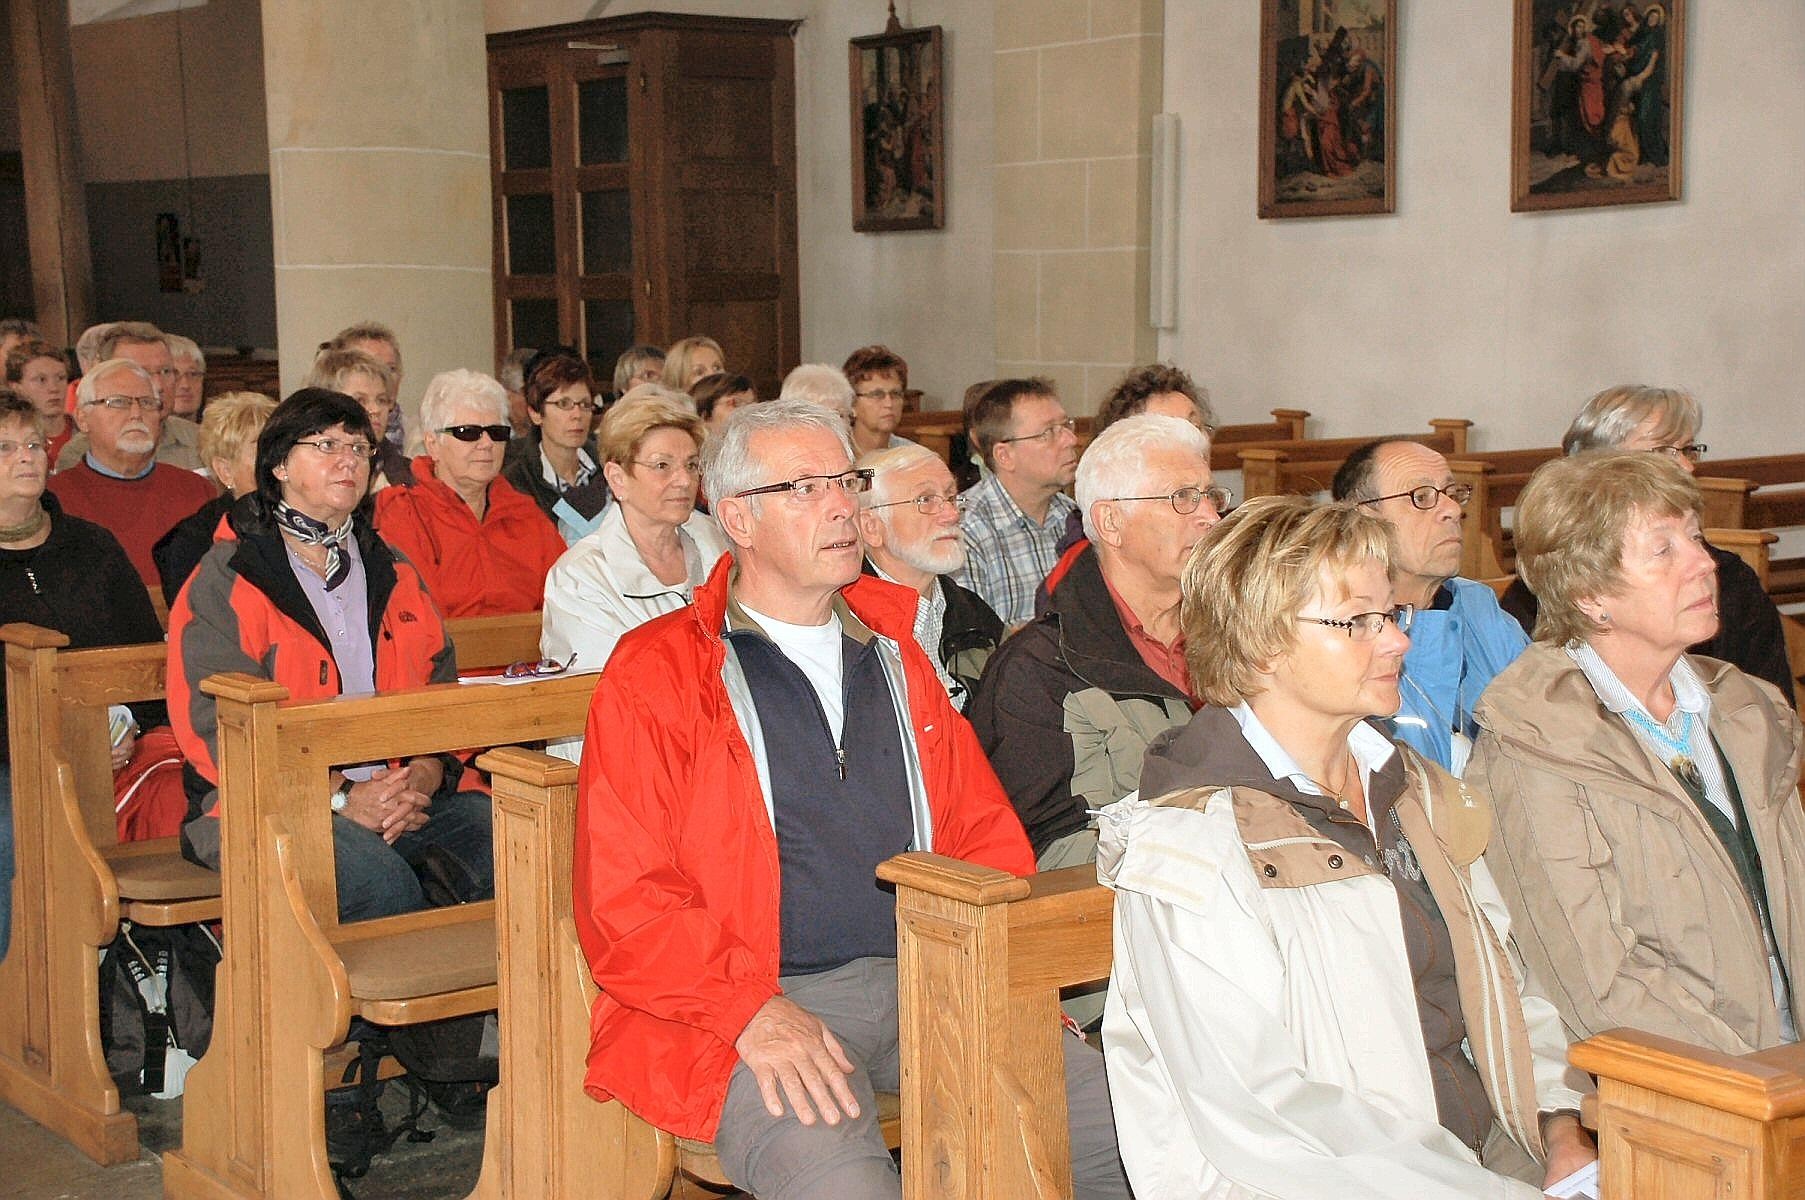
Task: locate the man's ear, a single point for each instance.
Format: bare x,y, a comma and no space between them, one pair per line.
735,515
1106,518
871,528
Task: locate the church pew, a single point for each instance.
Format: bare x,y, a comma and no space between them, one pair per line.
293,977
981,957
546,1136
75,880
1304,468
938,429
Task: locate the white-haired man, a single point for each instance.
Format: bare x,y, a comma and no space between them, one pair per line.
1068,704
910,523
178,441
728,828
822,384
118,483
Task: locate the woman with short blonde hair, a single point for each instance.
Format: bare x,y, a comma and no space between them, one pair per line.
652,548
228,445
1650,838
1307,943
692,359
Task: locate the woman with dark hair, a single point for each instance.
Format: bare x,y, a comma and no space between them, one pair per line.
301,591
60,572
558,460
719,396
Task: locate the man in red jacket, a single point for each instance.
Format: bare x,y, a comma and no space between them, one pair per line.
750,759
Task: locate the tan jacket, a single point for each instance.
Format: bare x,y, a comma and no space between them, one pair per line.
1624,903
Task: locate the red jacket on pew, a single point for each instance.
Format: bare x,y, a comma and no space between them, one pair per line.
675,887
472,568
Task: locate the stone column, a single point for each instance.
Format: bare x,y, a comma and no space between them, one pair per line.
1077,82
379,179
56,209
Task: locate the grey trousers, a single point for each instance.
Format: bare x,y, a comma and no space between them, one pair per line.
779,1158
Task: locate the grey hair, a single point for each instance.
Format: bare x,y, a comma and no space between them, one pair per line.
185,347
87,346
513,369
885,464
728,464
822,384
657,391
141,333
449,389
1111,466
90,380
1613,415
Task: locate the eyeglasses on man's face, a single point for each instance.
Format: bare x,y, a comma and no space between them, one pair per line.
814,487
1428,496
1187,500
1049,434
123,403
1364,627
927,504
470,433
1691,452
334,448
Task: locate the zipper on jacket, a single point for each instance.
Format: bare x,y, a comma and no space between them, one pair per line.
840,762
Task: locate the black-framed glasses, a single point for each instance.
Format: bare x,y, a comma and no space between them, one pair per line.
813,487
1691,452
572,404
121,403
1428,496
1187,500
333,448
664,467
470,433
543,669
1364,627
896,394
927,504
1069,425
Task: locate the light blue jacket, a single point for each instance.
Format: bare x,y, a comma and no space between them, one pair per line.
1454,653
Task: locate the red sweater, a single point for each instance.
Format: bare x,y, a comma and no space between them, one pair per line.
136,511
472,568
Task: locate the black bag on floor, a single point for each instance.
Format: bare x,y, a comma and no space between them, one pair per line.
453,1062
156,1005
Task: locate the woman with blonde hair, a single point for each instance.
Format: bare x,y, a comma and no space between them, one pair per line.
228,446
1314,990
691,359
1650,837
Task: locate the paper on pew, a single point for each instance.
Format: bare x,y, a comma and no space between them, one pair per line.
503,680
1581,1185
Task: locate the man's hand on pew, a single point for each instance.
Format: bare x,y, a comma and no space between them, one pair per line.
388,803
790,1051
1569,1146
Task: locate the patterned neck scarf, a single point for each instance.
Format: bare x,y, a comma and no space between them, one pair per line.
304,528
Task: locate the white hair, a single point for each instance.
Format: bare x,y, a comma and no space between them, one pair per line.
185,347
452,389
886,463
822,384
1112,466
86,391
657,391
728,464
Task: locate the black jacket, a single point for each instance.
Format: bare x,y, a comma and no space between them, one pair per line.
1749,634
180,550
1067,706
521,467
970,632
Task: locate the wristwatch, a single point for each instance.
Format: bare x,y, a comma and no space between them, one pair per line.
341,796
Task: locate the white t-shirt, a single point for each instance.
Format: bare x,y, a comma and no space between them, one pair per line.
816,650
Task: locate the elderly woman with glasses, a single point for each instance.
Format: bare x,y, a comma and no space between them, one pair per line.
1314,990
652,548
1650,839
1667,421
482,546
300,590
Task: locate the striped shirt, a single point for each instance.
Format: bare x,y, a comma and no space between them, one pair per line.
1007,554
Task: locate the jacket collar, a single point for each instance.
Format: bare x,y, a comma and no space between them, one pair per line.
1091,639
261,560
887,609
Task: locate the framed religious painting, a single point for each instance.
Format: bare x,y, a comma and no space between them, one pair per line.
1328,86
1595,102
898,130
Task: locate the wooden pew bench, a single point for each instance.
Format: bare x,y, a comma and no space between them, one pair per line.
982,955
1308,467
293,977
943,432
76,881
547,1137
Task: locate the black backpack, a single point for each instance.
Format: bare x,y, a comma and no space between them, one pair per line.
156,1005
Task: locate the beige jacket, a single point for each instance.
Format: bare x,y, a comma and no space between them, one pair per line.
1625,905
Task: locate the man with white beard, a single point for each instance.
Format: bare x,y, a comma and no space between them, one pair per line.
910,524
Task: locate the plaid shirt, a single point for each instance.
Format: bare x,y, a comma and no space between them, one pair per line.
1007,555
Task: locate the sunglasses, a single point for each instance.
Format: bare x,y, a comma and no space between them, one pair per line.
470,433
